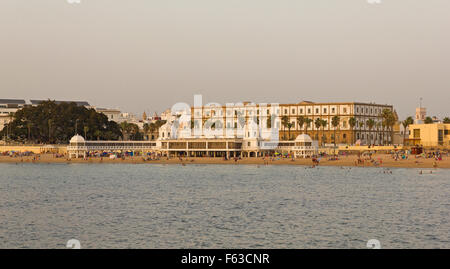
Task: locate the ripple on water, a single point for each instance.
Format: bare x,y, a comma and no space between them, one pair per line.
213,206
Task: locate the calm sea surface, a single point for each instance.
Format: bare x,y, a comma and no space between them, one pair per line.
221,206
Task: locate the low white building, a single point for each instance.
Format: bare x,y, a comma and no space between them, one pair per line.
305,147
77,147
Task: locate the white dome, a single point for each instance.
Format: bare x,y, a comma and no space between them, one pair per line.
303,138
77,139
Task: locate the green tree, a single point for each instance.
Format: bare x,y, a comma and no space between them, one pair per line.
49,122
408,121
324,124
97,134
335,121
446,120
370,123
428,120
300,121
318,124
285,123
388,121
85,129
146,129
289,126
352,124
307,123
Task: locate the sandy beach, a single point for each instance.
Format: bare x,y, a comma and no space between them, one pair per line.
386,161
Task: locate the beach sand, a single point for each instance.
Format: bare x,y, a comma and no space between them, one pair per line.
387,161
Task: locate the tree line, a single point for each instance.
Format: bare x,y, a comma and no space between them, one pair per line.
53,123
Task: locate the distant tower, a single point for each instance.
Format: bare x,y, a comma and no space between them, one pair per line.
421,114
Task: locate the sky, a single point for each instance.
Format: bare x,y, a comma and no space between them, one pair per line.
147,55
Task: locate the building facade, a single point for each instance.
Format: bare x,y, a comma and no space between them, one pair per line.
429,135
258,121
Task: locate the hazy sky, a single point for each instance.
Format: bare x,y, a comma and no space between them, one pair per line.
149,54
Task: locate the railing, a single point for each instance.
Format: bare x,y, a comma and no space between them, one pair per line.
109,148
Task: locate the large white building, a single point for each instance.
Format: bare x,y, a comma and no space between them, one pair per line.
358,122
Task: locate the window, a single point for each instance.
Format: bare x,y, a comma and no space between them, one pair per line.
293,111
301,110
285,111
345,110
325,111
333,110
309,110
317,111
416,133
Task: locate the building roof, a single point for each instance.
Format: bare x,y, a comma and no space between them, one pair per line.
77,139
79,103
12,101
303,138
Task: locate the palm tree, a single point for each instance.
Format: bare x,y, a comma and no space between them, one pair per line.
146,128
408,121
125,128
285,122
383,129
335,122
98,133
86,129
317,124
378,130
388,120
307,123
289,126
446,120
153,128
361,125
300,121
370,124
352,123
428,120
324,124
